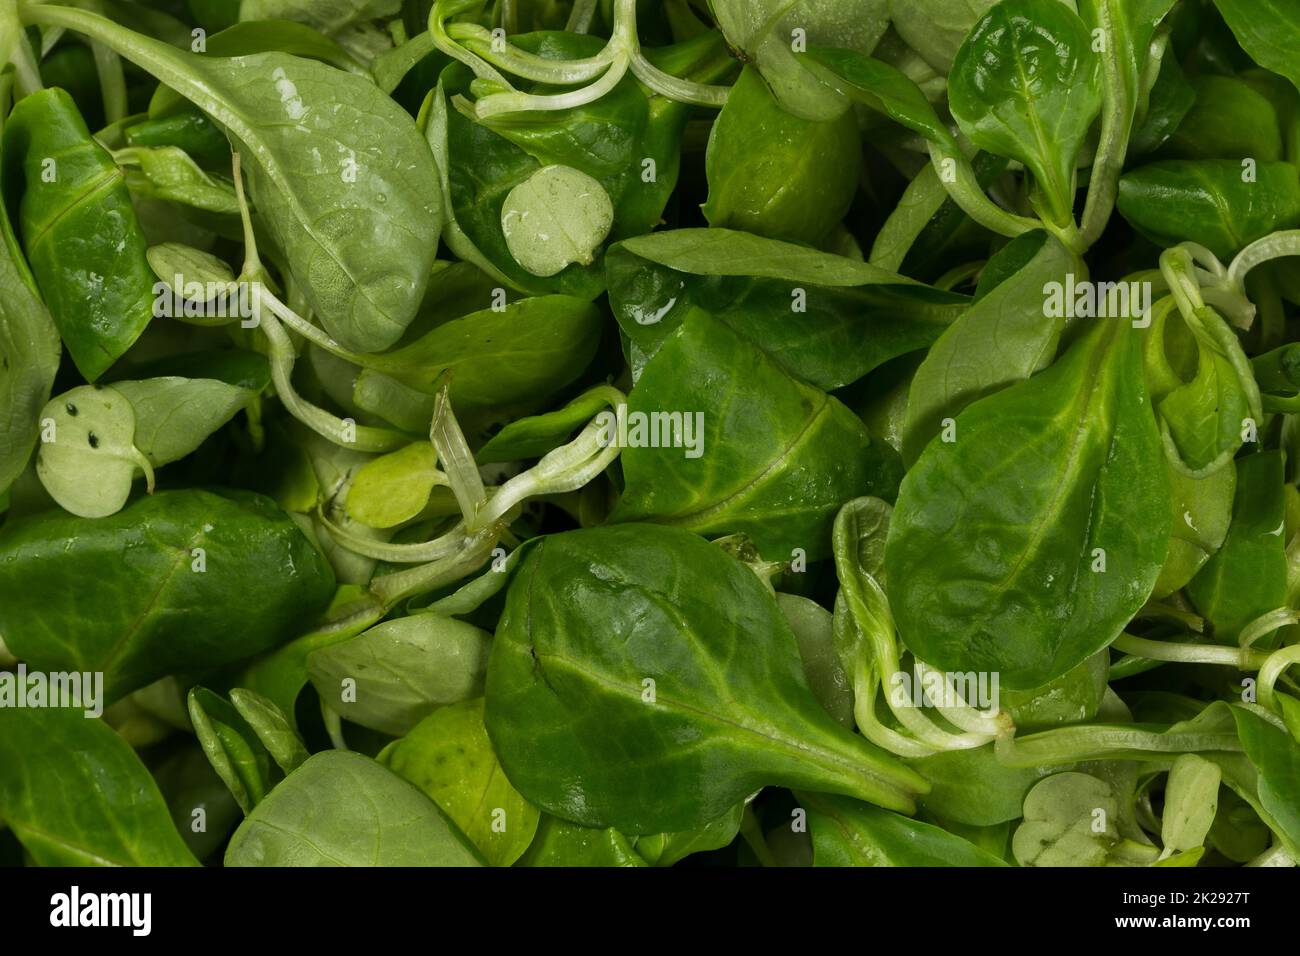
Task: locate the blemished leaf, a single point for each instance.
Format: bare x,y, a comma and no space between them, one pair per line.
449,757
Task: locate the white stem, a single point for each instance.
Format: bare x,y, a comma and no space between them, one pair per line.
1277,246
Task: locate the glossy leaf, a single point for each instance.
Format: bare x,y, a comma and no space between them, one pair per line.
1209,201
154,612
1269,31
755,143
29,358
826,318
367,181
561,843
580,731
1031,601
1026,84
79,230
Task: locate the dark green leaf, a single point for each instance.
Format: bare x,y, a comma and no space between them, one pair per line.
124,595
584,713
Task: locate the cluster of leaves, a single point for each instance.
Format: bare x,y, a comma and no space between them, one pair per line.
322,325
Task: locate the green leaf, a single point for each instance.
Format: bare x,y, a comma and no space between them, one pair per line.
1029,543
174,415
774,458
185,269
201,807
90,459
491,362
343,809
533,437
813,630
827,319
1072,698
449,757
583,711
327,16
971,787
1070,820
628,143
1209,201
1202,510
1167,103
124,595
166,172
1202,417
849,833
1247,576
1277,757
75,793
1255,132
1027,85
188,130
79,229
1268,30
561,843
272,728
763,30
231,746
395,674
886,90
337,169
666,849
1191,801
936,28
557,216
1002,339
29,358
394,488
755,143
